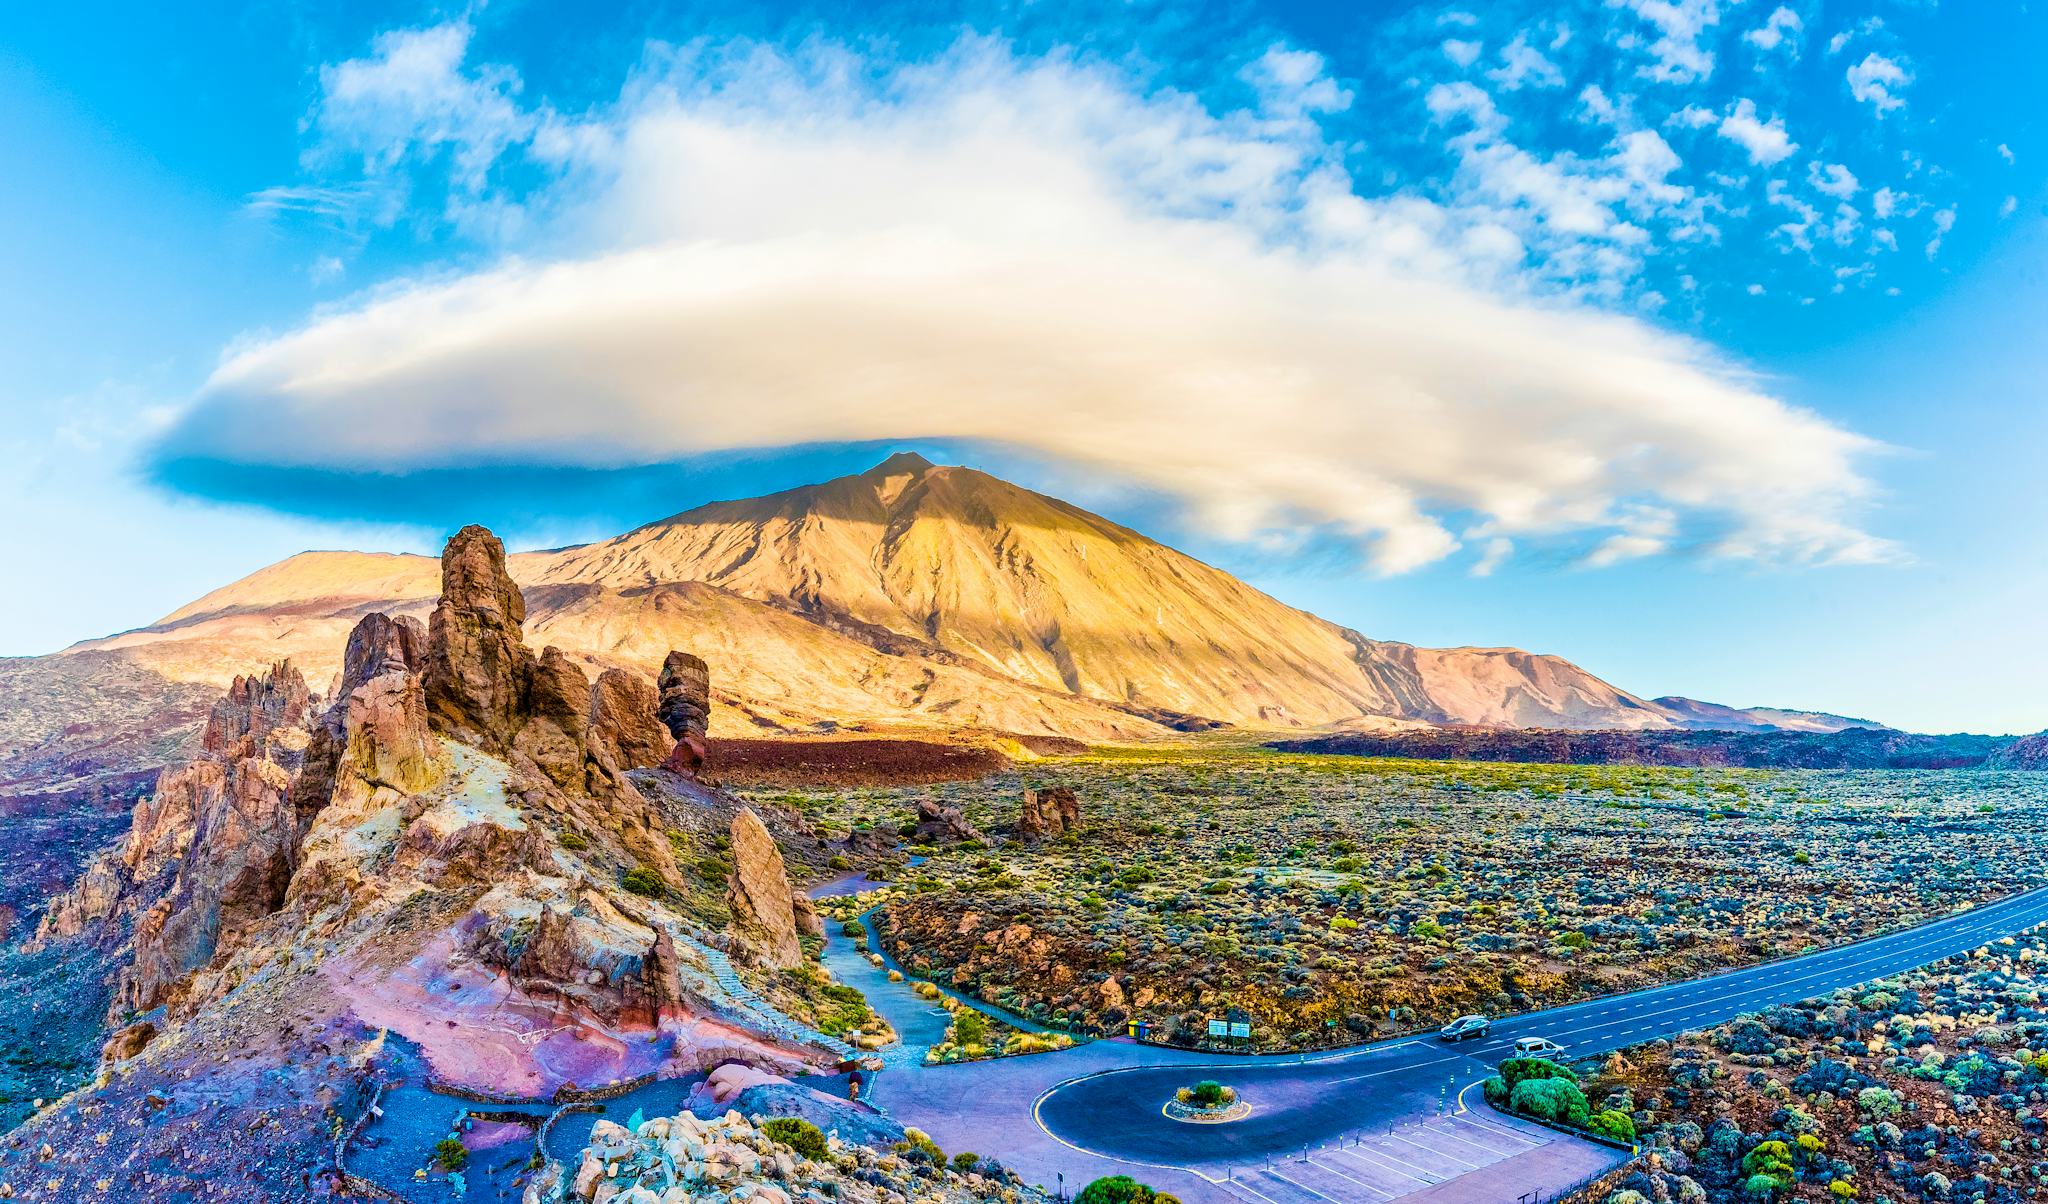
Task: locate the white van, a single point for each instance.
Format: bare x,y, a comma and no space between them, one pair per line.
1536,1047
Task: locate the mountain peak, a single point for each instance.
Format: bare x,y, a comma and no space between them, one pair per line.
899,464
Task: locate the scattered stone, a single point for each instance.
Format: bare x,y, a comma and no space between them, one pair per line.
1049,813
937,824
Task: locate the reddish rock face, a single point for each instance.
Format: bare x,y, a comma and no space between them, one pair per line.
477,660
554,717
623,726
222,830
255,706
764,913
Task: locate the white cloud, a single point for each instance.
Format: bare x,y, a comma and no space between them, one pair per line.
1677,53
2005,152
1766,141
1782,28
1462,51
1833,179
757,247
1522,65
1944,221
2008,206
1877,81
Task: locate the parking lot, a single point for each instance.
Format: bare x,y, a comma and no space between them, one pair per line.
1469,1156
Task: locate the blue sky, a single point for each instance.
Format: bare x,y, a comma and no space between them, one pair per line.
1696,341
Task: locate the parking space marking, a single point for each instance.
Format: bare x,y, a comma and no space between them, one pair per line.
1378,1192
1239,1183
1360,1152
1470,1166
1473,1118
1303,1186
1480,1145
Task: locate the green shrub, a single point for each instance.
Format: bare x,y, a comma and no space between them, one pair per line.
1555,1100
1514,1070
1118,1189
970,1027
1613,1125
964,1161
1771,1162
799,1135
1207,1094
918,1146
574,842
450,1154
641,880
1495,1089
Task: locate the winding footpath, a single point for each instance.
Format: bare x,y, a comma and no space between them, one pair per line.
1375,1123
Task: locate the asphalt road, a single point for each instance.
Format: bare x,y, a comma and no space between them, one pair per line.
1299,1103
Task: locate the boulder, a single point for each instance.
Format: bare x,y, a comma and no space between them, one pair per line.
555,717
763,905
1049,813
386,740
685,709
624,725
477,662
937,824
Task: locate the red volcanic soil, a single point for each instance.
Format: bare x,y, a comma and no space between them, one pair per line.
863,761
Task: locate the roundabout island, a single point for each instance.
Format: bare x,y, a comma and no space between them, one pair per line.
1206,1103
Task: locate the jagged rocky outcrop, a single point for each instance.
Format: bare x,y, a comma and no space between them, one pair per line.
209,853
455,851
939,824
767,915
686,709
624,722
435,794
1048,813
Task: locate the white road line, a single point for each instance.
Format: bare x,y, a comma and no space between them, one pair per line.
1236,1182
1480,1145
1303,1186
1445,1155
1381,1156
1331,1170
1473,1118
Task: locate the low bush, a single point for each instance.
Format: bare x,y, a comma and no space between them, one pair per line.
799,1135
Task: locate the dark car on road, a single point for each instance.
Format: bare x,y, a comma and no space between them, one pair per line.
1464,1027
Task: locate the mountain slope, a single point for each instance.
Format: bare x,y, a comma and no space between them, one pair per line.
917,594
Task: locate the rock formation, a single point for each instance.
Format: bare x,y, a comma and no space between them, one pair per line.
937,824
210,853
767,915
624,726
478,664
445,853
1049,813
686,709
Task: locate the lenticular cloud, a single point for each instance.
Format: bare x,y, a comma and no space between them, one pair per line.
753,249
